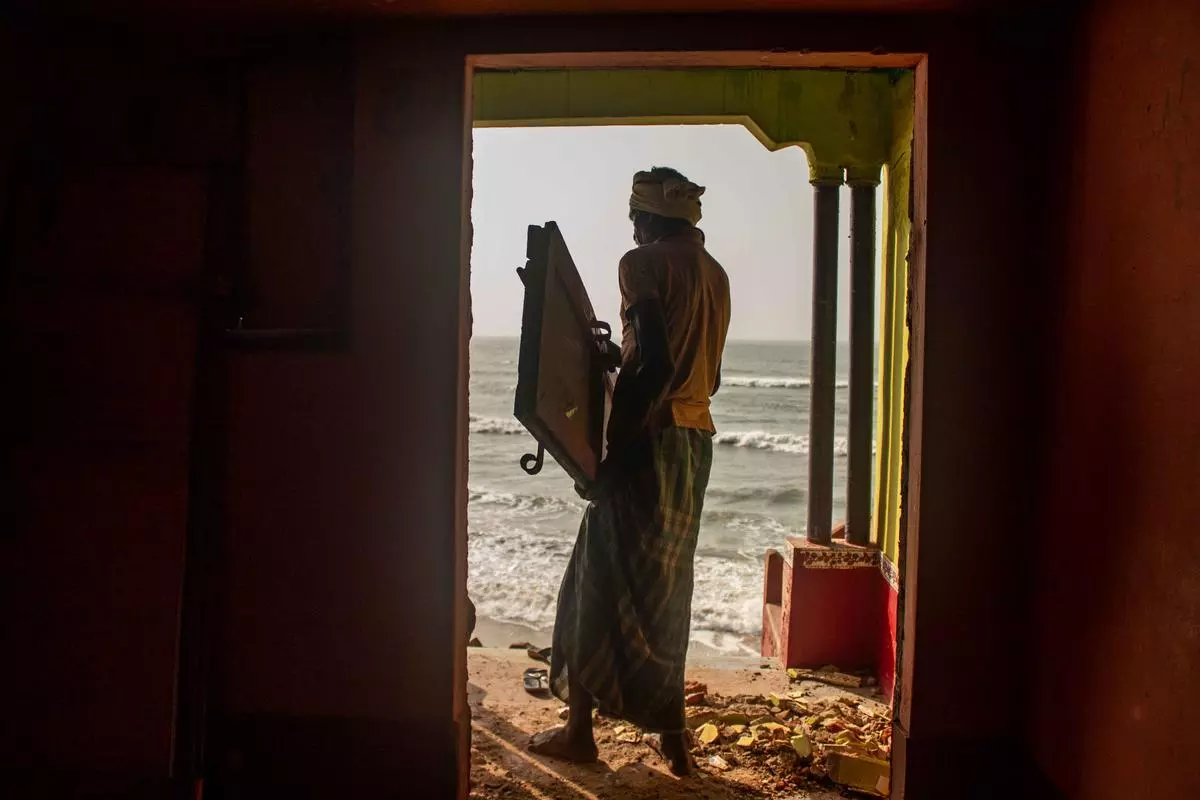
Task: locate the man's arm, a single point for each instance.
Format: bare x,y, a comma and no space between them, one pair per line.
642,384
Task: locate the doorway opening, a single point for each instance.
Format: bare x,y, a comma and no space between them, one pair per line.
762,559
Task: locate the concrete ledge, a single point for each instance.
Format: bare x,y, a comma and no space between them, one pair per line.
831,605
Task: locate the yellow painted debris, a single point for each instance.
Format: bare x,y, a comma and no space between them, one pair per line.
859,772
802,745
708,733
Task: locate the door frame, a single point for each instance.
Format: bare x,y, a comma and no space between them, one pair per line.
911,437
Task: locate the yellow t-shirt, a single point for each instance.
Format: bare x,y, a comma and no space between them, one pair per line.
694,292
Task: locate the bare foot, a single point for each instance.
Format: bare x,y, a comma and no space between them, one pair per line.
557,743
675,751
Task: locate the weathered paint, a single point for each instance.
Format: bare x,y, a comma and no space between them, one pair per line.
893,322
841,118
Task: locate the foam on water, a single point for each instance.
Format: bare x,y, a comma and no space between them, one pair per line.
750,382
515,568
791,443
522,528
496,425
758,494
524,504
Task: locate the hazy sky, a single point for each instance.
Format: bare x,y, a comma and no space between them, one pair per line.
757,218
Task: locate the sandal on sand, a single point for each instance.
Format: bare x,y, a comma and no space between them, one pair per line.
542,655
537,682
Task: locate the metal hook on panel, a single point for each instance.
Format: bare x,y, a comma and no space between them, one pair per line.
532,464
610,351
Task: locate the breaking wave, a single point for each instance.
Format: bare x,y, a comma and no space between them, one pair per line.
768,494
523,503
495,425
773,383
514,574
792,443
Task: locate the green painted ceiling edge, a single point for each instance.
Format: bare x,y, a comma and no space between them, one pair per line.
841,118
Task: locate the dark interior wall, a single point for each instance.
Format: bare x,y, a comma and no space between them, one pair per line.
337,629
103,244
330,476
1117,707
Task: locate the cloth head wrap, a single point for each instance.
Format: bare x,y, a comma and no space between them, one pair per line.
671,197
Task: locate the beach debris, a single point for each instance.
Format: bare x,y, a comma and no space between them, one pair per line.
716,762
829,675
859,772
520,646
802,745
708,733
788,742
774,729
694,693
627,734
475,642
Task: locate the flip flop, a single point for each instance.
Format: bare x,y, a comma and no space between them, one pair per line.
542,655
537,682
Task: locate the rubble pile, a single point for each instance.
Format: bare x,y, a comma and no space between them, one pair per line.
798,740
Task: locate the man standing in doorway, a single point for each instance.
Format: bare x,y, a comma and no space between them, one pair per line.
624,609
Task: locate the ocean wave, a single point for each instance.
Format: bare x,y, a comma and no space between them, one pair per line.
773,383
523,503
514,574
793,443
496,425
768,494
730,516
514,571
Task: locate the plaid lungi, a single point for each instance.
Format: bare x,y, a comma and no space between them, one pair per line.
625,605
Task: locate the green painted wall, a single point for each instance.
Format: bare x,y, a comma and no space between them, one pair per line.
841,118
893,323
851,123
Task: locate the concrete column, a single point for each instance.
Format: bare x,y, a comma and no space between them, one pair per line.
823,358
862,353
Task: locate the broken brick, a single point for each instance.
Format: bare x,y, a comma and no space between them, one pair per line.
859,772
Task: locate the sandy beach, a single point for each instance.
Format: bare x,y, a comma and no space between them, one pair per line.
492,633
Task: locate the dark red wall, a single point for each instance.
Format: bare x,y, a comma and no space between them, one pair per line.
323,499
1118,607
102,259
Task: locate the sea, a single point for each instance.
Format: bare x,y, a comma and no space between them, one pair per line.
521,528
